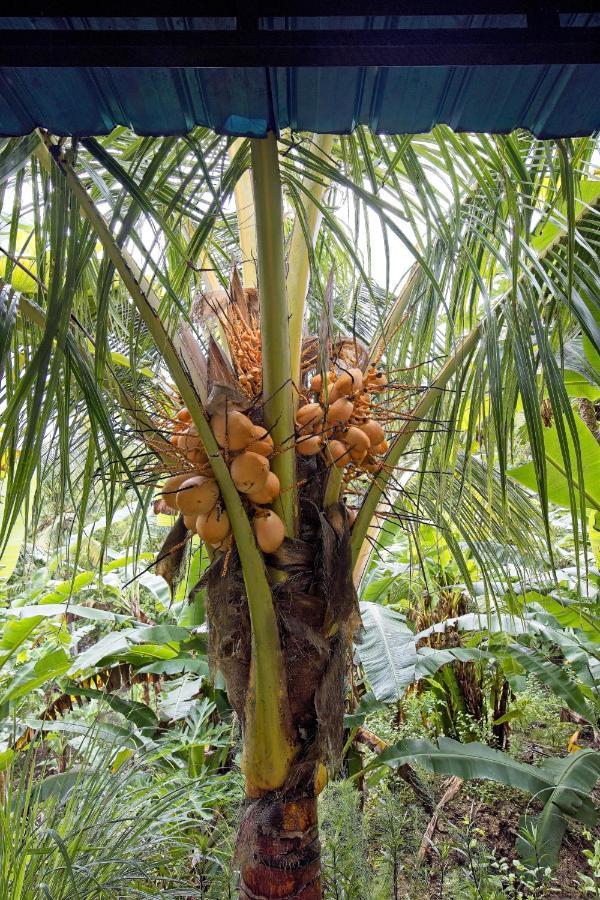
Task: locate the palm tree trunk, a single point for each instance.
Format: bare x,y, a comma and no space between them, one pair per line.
316,608
279,853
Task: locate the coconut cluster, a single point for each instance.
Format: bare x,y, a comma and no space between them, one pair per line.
247,449
338,417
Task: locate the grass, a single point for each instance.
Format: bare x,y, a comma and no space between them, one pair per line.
145,830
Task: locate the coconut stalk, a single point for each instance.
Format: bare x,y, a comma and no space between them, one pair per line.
269,747
278,407
395,317
298,276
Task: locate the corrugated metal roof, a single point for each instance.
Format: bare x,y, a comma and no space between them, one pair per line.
549,100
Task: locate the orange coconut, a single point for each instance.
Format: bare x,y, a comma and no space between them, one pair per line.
377,381
197,495
316,382
183,415
170,488
269,530
249,471
309,417
234,431
357,442
357,456
339,411
198,457
372,465
269,492
308,446
262,442
349,382
190,523
374,432
339,453
225,544
189,440
213,527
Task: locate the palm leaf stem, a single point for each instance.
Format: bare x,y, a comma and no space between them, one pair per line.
268,745
277,384
303,236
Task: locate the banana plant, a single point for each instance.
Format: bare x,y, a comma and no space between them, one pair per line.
562,785
135,346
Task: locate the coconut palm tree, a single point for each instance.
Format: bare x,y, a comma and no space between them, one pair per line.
169,304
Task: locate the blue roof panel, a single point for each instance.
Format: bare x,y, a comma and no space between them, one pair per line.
549,100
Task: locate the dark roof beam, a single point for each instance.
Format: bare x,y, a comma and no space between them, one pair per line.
266,8
239,48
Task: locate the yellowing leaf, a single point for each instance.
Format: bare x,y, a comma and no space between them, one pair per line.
19,279
165,520
10,556
594,533
558,485
6,757
121,757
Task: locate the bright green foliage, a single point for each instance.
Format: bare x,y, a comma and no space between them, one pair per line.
558,482
98,830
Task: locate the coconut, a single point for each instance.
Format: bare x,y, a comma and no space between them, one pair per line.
349,382
189,440
339,453
357,380
233,432
381,448
170,488
179,426
183,415
197,495
333,394
270,490
269,530
262,442
316,382
213,527
249,471
357,456
372,465
339,411
309,417
357,441
308,446
225,544
374,432
198,457
190,523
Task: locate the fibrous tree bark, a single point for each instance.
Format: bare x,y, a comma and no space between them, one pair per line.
278,848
